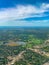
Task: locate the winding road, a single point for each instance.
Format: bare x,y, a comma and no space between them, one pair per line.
37,50
16,58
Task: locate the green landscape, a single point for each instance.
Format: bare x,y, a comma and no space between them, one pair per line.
24,46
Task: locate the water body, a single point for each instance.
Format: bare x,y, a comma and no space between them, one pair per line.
21,42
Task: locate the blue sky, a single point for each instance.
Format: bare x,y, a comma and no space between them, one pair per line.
24,12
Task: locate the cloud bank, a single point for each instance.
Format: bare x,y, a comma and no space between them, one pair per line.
13,16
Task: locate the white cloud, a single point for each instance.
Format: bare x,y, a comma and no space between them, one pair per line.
25,23
21,12
45,6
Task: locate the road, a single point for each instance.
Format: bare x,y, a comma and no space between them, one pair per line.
19,56
16,58
47,63
37,50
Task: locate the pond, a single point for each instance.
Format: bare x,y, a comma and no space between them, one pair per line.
20,42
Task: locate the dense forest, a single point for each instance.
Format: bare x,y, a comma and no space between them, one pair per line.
29,45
